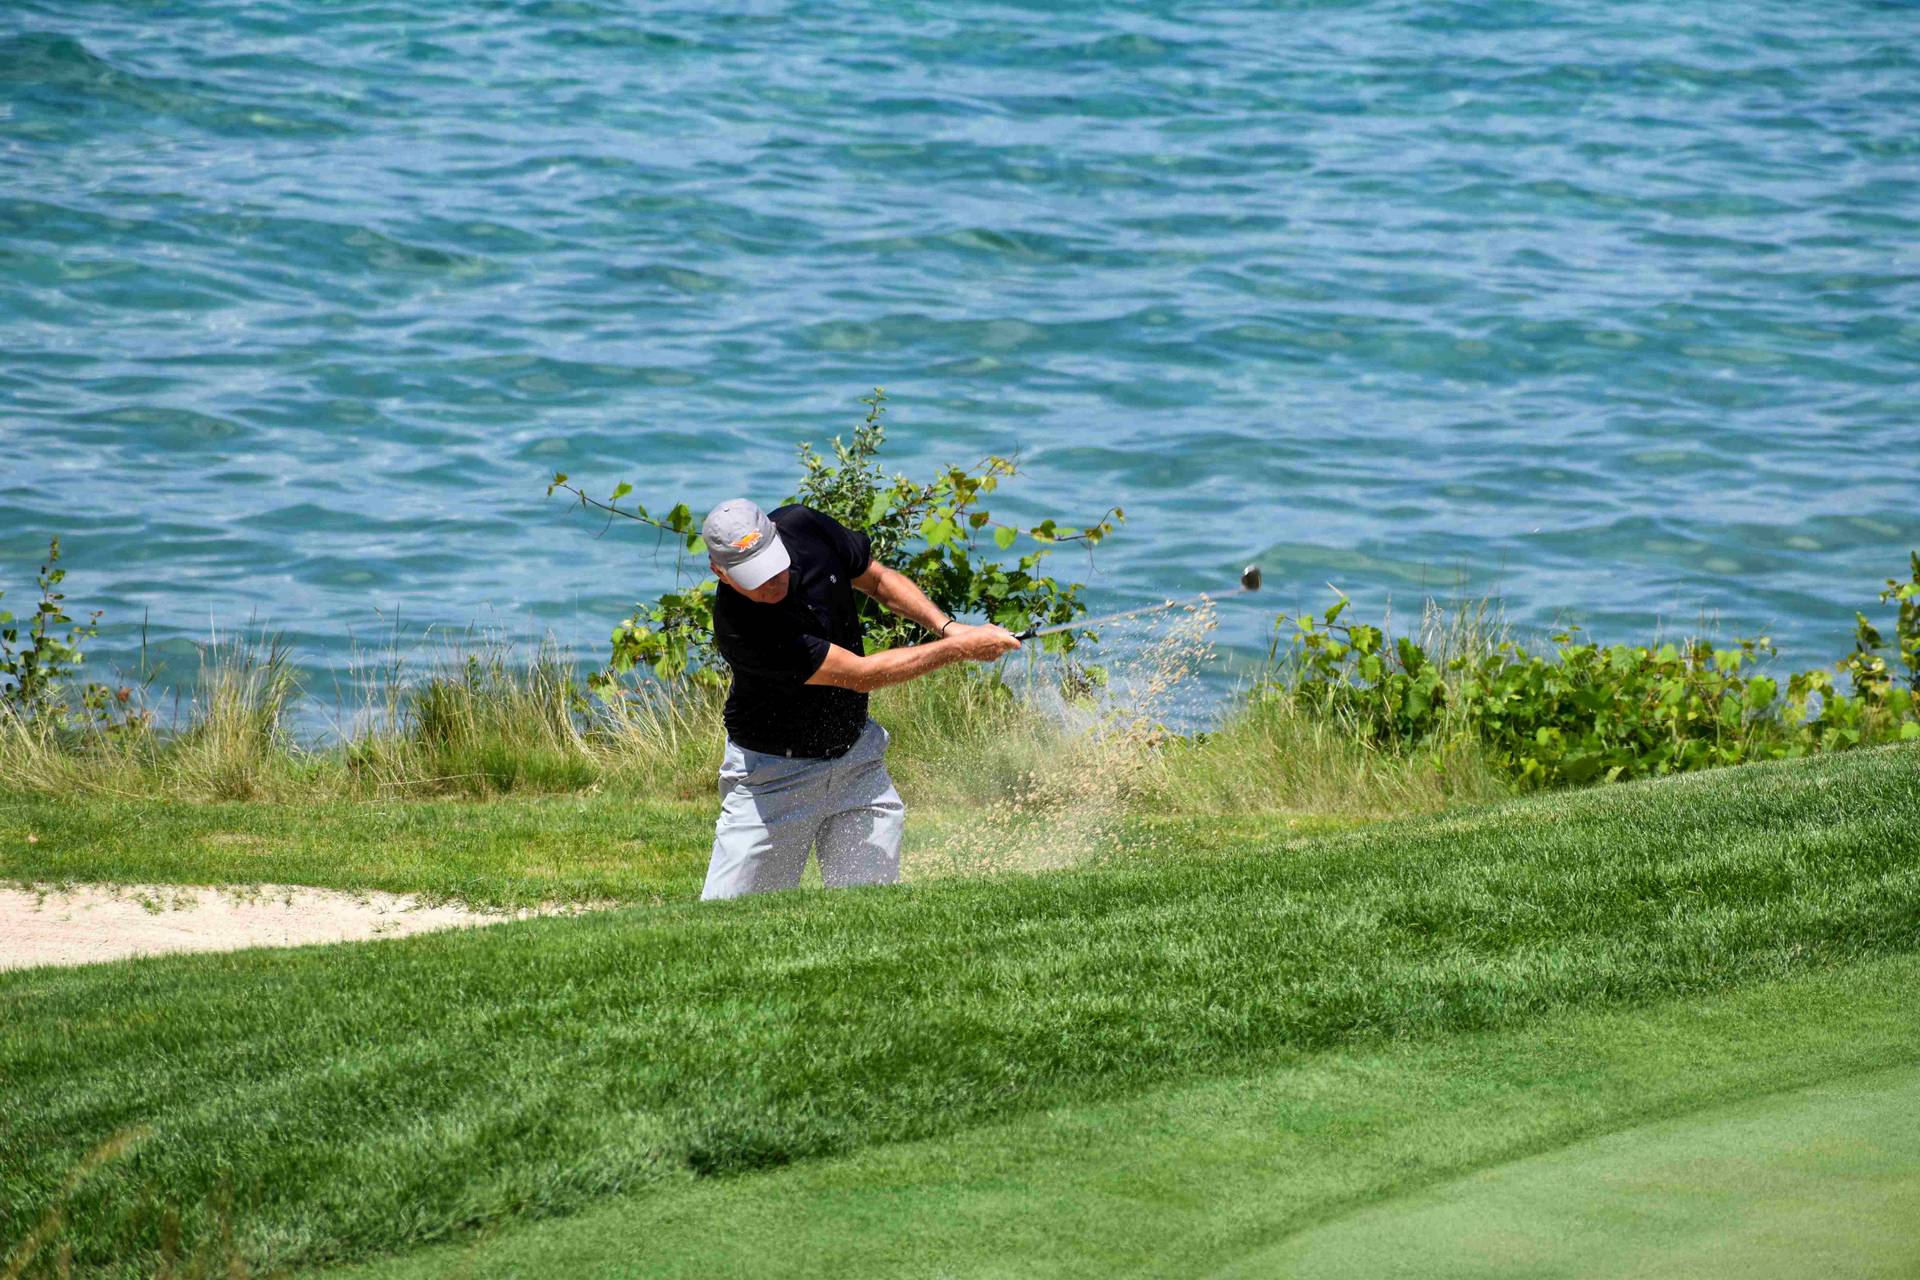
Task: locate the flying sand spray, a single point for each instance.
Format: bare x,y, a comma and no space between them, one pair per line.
1071,803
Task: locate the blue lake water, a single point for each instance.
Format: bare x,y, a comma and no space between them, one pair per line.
1613,310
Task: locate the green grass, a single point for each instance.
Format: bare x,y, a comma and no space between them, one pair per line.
338,1103
496,854
1332,1163
1274,754
1818,1181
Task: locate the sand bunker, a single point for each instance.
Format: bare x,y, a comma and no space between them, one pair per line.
85,924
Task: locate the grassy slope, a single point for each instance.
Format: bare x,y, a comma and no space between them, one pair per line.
1817,1182
360,1099
1344,1157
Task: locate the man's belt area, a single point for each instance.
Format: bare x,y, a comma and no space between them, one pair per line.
794,753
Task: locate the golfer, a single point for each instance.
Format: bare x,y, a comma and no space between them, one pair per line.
804,765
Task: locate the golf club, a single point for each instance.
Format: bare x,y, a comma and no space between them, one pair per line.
1249,581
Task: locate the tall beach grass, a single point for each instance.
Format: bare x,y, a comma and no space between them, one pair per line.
482,717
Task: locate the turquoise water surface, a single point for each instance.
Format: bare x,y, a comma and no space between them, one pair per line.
1610,309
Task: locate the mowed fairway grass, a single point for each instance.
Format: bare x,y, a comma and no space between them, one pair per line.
1749,1134
320,1106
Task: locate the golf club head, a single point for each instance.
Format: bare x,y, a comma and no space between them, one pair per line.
1250,578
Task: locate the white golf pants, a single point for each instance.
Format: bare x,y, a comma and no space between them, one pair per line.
773,809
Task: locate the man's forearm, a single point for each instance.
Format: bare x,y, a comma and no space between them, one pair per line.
897,666
897,593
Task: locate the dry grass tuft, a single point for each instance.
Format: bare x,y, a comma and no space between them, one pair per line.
1045,775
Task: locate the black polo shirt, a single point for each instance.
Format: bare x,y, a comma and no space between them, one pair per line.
774,649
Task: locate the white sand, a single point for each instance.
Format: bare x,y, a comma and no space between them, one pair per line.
85,924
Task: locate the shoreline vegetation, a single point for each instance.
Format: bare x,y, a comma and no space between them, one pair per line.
1343,719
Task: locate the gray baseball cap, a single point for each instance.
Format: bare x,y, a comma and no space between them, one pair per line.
744,542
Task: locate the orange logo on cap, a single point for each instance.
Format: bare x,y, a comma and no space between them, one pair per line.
746,540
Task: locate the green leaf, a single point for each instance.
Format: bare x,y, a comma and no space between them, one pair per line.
620,491
1005,537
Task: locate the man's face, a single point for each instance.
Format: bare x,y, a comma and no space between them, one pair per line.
772,591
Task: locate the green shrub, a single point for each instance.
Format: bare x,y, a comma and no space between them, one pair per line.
38,664
930,530
1588,713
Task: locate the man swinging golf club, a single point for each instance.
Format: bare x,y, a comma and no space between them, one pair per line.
804,766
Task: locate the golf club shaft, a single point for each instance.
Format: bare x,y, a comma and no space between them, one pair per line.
1079,623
